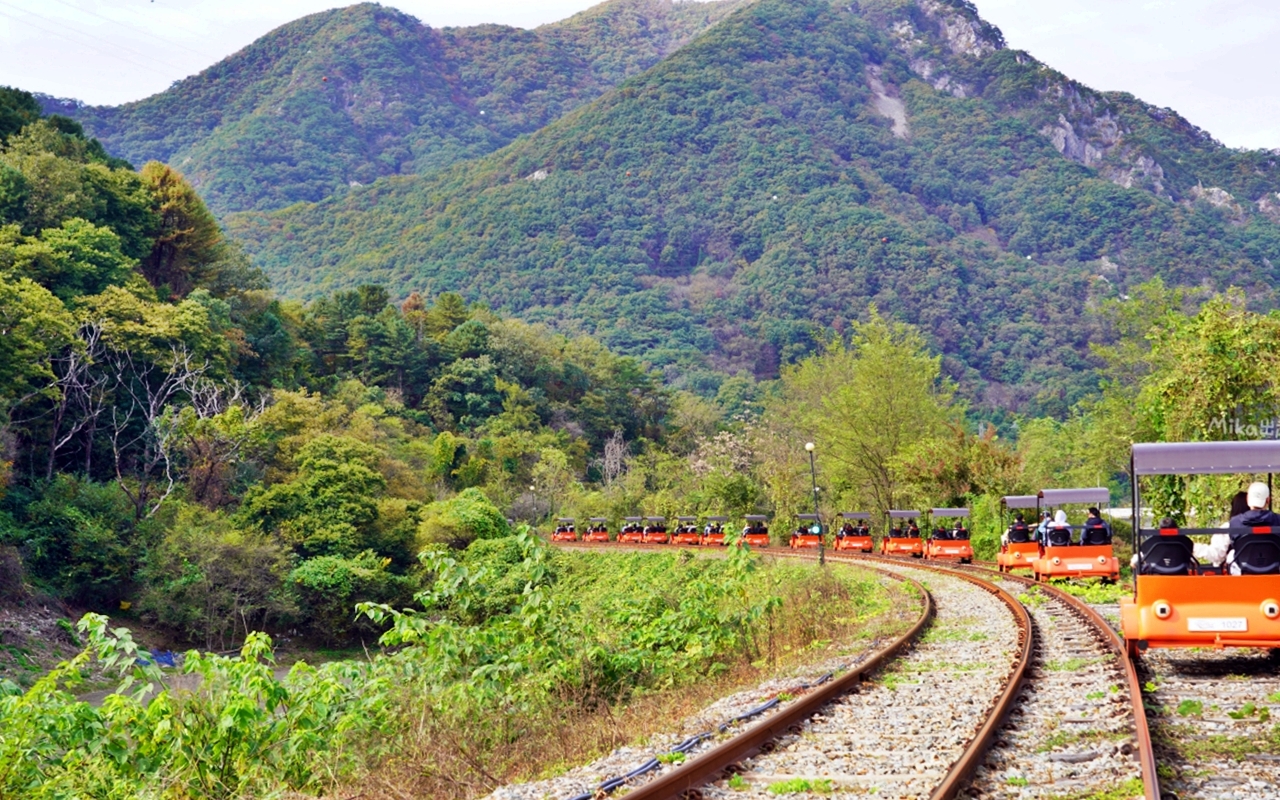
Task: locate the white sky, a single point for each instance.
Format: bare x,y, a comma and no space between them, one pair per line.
1214,61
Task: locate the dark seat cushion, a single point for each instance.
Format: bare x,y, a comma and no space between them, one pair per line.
1258,554
1167,554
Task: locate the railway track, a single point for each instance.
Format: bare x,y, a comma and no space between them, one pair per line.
920,728
1215,719
1077,730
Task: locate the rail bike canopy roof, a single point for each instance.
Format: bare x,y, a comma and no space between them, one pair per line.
943,513
717,519
1205,458
903,514
807,516
656,519
633,519
756,517
564,519
855,514
1020,500
1063,497
686,519
599,519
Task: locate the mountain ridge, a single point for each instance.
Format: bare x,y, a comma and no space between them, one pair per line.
648,216
744,198
380,93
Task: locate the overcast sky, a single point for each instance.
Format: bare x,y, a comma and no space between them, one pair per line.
1212,60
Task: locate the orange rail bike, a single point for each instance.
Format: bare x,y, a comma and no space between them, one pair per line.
565,532
686,531
756,533
950,545
714,532
632,531
809,534
1060,556
655,532
1018,549
598,530
1178,602
903,542
855,537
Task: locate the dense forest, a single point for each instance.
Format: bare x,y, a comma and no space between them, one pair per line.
716,213
177,436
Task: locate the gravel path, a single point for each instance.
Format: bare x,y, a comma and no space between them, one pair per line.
899,735
625,759
1215,721
1071,732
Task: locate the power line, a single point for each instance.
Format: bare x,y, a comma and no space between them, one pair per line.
88,40
132,28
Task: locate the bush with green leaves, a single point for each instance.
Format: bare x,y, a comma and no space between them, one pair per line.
329,587
78,538
243,732
460,520
209,581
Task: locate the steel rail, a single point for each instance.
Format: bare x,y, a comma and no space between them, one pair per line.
712,765
1142,731
962,769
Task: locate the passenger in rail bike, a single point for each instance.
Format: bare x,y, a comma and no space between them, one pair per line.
863,529
1221,547
1058,534
913,530
960,532
896,532
1018,533
941,534
1095,531
846,529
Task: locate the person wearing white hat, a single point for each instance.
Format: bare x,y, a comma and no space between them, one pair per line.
1221,548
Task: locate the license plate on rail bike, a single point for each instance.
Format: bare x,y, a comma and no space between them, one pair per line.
1215,624
1079,566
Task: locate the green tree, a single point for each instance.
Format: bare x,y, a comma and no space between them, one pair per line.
865,405
34,325
188,240
460,520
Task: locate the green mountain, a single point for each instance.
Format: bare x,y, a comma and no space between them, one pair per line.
349,95
797,162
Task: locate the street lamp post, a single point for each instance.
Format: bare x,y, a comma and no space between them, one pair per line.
813,476
533,490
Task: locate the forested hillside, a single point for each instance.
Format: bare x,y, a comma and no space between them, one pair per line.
175,436
346,96
797,162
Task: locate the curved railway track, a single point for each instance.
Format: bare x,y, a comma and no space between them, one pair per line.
892,737
1048,706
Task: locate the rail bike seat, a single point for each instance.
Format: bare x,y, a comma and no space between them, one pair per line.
1258,554
1094,535
1170,553
1058,537
1019,534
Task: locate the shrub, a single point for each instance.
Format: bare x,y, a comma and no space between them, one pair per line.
328,588
78,538
459,521
209,581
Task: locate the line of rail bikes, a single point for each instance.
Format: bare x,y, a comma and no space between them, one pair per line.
944,711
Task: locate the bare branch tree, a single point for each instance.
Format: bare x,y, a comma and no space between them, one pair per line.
144,426
615,457
82,393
